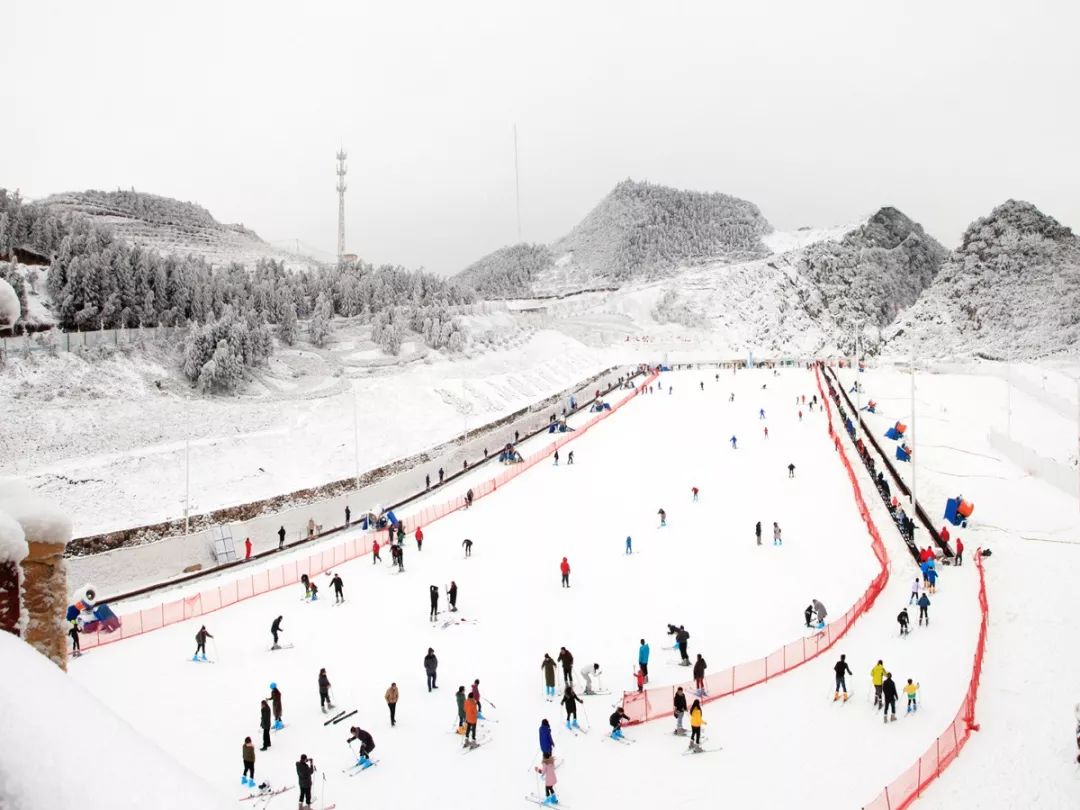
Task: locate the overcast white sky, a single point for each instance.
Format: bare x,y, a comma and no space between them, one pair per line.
819,112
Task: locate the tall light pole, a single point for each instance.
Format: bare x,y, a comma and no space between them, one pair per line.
517,184
341,203
356,435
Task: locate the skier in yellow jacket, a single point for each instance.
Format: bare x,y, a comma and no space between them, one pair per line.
877,676
912,690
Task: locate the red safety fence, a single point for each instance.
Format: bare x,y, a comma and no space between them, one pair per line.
289,573
657,701
905,788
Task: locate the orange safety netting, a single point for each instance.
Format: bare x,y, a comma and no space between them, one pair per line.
289,573
657,701
905,788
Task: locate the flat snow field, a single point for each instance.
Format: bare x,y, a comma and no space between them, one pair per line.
784,743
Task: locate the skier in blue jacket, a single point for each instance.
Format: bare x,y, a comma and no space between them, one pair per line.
546,743
643,659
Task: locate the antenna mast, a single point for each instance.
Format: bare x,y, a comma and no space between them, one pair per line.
341,203
517,185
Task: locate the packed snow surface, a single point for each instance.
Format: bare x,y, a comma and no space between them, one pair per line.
63,750
738,600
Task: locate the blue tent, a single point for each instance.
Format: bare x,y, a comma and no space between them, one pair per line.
391,517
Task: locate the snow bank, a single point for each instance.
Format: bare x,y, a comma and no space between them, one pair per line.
38,771
9,304
40,519
12,540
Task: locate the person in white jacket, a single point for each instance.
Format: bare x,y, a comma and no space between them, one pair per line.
916,589
588,672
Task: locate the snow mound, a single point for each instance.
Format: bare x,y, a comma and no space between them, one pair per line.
41,521
786,241
40,771
12,540
1010,291
10,310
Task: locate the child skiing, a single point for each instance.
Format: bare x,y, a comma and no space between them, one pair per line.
841,669
200,643
924,605
547,769
902,620
912,692
570,700
916,589
616,723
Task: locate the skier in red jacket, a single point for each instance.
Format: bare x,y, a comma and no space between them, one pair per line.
419,538
565,568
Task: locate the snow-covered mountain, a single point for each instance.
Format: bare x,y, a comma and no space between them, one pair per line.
655,263
171,227
1011,290
638,231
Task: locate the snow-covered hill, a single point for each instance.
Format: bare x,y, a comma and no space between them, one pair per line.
1010,291
171,227
638,231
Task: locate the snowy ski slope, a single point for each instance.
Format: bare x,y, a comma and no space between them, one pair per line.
738,600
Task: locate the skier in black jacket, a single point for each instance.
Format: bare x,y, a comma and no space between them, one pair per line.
699,675
324,691
275,628
367,742
680,710
902,619
567,661
304,769
680,639
264,724
570,700
841,669
888,691
451,595
339,588
433,591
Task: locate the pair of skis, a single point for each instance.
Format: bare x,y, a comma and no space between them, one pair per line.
344,714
